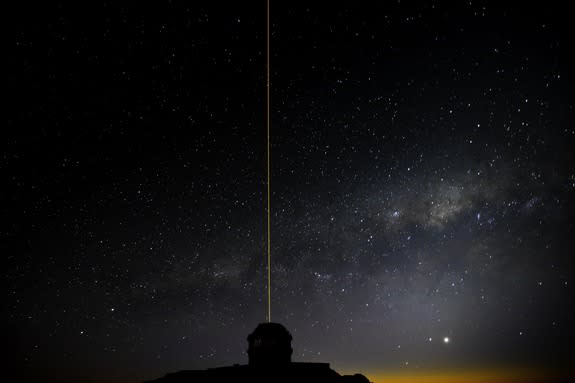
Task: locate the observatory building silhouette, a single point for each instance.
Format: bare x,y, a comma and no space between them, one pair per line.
269,353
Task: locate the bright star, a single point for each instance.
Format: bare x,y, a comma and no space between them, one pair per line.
446,340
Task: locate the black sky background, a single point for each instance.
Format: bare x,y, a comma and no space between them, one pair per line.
423,185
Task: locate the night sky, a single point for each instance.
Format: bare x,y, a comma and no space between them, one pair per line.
423,187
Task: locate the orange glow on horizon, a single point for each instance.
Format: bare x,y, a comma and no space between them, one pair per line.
465,376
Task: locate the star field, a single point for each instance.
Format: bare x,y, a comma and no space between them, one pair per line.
423,186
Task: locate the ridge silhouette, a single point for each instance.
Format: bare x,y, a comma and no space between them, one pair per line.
269,354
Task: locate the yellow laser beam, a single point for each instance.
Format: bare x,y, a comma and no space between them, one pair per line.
269,316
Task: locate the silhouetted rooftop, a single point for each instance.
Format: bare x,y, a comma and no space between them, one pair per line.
269,352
